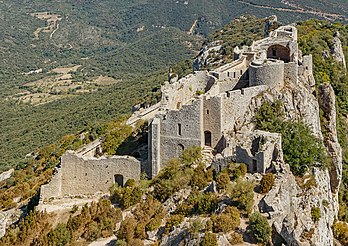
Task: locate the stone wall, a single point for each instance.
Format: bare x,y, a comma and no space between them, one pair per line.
269,72
212,119
180,129
234,105
258,150
53,188
234,70
86,176
181,92
291,72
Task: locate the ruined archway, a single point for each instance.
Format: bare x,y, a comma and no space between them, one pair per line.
180,148
207,138
119,179
279,52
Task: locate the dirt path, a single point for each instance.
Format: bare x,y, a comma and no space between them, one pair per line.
297,9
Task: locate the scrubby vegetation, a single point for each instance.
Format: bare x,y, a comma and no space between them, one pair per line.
302,150
95,221
267,182
340,230
315,214
260,228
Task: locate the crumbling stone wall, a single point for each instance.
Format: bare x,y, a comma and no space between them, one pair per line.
258,150
234,105
86,176
181,92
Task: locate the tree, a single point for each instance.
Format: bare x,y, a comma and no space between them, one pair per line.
227,221
242,194
223,179
260,228
266,183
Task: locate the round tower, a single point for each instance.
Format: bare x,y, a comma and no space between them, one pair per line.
266,72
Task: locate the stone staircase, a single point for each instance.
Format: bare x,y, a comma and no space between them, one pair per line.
208,155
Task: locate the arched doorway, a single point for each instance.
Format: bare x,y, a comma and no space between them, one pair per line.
279,52
207,138
119,179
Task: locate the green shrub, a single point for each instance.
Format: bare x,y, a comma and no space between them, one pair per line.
242,195
222,180
227,221
267,182
191,155
201,177
130,183
235,238
340,230
127,229
173,220
301,149
172,178
259,227
92,232
237,170
206,203
316,214
209,239
60,235
127,196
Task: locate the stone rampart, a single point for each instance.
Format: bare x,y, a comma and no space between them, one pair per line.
234,105
86,176
181,92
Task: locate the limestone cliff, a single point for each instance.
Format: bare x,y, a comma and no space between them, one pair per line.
287,205
337,50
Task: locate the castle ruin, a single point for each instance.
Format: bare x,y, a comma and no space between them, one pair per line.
206,109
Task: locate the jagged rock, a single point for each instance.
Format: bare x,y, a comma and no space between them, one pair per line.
327,102
337,50
7,218
222,240
270,22
6,175
289,209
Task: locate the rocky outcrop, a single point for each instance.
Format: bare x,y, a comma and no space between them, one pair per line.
327,102
337,50
289,209
288,206
6,175
7,218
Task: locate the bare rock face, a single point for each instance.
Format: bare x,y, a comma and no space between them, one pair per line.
288,206
7,218
328,105
337,50
289,209
6,175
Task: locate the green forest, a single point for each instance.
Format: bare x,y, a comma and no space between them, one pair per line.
134,42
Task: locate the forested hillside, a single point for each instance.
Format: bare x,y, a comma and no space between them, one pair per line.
130,43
